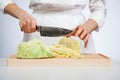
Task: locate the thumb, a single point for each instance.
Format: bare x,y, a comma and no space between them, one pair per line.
72,33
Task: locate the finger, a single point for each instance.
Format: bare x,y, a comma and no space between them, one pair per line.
28,26
79,31
22,25
28,30
33,26
23,22
83,34
86,40
86,37
25,29
72,33
86,44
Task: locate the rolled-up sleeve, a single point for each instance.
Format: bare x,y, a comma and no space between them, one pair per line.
4,3
98,12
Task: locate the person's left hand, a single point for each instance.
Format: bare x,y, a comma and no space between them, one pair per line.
82,33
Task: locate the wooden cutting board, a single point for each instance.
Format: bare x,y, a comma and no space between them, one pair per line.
89,60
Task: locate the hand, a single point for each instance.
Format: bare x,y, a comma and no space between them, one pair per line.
82,33
27,23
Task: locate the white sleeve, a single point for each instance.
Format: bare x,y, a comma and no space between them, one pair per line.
4,3
98,11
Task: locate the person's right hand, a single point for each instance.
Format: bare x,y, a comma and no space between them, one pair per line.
27,23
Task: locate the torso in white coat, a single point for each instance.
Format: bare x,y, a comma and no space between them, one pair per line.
60,13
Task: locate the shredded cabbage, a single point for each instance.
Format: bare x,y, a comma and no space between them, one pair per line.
34,49
67,47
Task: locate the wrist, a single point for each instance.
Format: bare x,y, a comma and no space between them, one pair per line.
90,25
14,10
22,14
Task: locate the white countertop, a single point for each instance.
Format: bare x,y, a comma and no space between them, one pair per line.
59,73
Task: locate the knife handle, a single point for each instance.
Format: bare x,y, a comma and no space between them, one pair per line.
37,28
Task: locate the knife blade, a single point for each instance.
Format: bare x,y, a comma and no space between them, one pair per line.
52,31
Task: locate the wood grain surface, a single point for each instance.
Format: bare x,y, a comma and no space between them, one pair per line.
88,60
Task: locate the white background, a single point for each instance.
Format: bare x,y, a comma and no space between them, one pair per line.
107,40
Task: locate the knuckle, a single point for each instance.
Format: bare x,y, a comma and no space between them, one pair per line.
84,33
33,20
28,20
81,37
33,29
24,23
23,27
20,25
80,29
28,31
85,39
25,31
88,35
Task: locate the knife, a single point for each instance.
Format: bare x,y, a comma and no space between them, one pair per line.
52,31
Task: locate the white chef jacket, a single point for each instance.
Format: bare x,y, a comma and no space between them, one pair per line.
65,14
